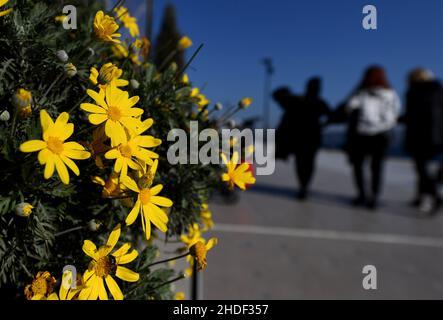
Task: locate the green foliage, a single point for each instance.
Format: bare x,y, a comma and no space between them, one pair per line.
52,236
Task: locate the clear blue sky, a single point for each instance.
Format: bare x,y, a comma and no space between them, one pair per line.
304,38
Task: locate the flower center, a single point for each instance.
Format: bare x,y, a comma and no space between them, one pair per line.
114,113
55,145
104,266
39,286
126,151
145,196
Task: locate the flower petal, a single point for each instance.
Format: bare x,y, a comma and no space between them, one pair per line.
49,167
126,274
32,145
101,289
92,108
161,201
96,118
128,257
61,170
113,238
71,164
132,216
114,288
89,248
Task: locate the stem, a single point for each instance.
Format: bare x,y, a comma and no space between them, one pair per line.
189,61
49,89
167,282
78,103
170,259
68,231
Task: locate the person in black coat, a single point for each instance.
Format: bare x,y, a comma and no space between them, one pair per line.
299,132
424,133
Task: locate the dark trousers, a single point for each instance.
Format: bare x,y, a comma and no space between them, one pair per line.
305,166
372,148
426,181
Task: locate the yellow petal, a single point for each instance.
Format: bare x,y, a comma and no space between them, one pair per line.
113,239
211,243
161,201
49,167
99,97
129,183
156,189
92,108
101,289
61,170
114,288
70,164
128,257
45,120
96,118
122,250
126,274
89,248
133,214
32,146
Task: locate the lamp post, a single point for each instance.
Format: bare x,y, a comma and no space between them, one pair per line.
269,70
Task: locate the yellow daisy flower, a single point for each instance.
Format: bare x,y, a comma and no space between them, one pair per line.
134,147
206,217
237,175
147,204
67,291
105,265
128,21
4,12
55,153
109,73
120,50
115,108
42,286
184,43
105,27
199,251
245,102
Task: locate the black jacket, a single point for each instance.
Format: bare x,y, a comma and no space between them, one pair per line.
424,119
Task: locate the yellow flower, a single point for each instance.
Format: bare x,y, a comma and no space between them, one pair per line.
22,98
115,108
245,102
105,28
105,265
193,235
108,74
179,295
185,78
24,209
111,187
41,286
199,251
70,70
237,175
147,204
67,290
52,296
98,146
60,18
135,147
120,51
129,22
54,151
145,47
4,12
206,217
134,59
184,43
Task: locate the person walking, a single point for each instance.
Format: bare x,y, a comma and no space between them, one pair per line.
424,134
299,132
373,111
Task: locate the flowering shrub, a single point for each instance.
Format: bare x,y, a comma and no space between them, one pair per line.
84,119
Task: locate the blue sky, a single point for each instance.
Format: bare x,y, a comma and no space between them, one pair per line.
304,38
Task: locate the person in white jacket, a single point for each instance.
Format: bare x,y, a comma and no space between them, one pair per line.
374,110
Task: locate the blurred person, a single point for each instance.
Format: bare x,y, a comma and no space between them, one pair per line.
372,112
424,134
299,132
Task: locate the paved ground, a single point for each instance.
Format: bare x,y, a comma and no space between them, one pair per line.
273,247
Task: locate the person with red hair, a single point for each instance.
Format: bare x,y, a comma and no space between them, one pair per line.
373,112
